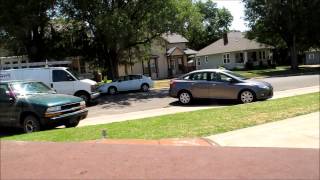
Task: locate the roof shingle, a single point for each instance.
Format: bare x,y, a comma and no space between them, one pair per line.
236,42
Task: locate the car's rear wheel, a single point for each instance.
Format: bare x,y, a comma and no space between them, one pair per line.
247,96
31,124
112,90
144,87
185,97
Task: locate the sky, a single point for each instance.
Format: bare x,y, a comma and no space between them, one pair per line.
236,8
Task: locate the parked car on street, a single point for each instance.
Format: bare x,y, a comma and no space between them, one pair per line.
33,106
58,78
218,84
127,83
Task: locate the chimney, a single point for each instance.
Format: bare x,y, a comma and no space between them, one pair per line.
225,38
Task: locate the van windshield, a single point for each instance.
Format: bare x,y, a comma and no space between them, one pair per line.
74,73
24,88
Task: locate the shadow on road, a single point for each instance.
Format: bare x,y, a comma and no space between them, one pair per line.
127,98
207,102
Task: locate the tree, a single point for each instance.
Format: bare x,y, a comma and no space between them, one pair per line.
292,23
23,24
122,26
214,23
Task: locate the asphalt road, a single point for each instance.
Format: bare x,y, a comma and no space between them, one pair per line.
154,99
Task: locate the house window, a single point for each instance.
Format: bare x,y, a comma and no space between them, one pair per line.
260,55
226,58
264,55
311,56
198,62
206,59
239,58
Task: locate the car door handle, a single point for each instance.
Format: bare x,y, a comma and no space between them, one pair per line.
51,85
213,84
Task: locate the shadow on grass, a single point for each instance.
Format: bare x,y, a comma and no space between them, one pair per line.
9,131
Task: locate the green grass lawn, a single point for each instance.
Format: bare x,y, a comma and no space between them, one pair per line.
278,71
189,124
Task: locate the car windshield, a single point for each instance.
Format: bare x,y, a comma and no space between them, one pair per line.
23,88
237,75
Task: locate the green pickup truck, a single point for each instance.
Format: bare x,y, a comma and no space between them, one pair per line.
34,106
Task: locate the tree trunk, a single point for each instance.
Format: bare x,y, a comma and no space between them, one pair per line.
112,62
293,53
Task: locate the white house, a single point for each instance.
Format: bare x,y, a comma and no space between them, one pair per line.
169,57
234,51
312,56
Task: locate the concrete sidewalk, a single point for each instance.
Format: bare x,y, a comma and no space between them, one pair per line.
297,132
177,109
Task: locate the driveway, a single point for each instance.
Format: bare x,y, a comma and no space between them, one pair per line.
155,99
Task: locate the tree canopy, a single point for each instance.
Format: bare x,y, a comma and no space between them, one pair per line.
285,23
106,32
214,23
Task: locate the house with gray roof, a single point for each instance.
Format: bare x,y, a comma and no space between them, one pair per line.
169,57
232,51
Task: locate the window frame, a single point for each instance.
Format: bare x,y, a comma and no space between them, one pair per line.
226,58
67,73
206,59
198,62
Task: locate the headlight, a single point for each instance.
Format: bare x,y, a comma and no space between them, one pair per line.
93,88
82,103
264,87
54,109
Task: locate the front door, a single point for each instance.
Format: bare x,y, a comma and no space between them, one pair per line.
199,85
8,113
62,82
222,87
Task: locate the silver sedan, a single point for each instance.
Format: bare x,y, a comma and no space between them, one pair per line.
218,84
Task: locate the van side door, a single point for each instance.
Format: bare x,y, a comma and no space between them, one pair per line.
63,82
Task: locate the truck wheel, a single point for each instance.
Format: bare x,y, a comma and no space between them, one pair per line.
31,124
83,95
72,124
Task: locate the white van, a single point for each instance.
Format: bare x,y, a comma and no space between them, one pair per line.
58,78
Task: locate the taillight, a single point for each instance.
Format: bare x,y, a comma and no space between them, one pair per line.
172,83
93,88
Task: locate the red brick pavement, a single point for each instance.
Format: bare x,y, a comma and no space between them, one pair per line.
40,160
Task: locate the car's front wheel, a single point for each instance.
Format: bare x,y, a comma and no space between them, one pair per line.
84,96
72,123
246,96
112,90
144,87
31,124
185,97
